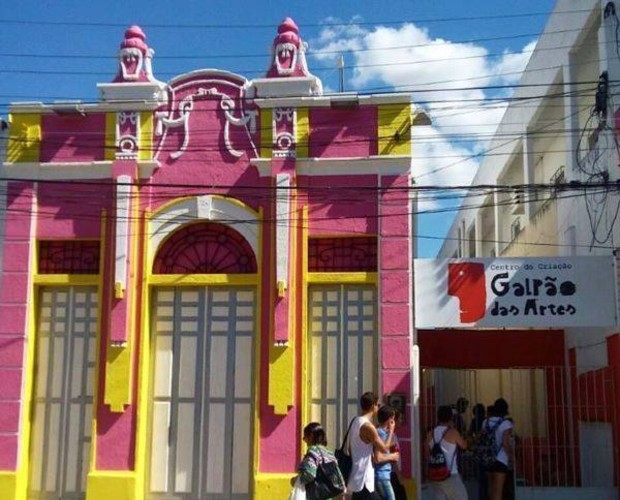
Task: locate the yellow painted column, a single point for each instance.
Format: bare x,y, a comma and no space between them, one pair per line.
24,137
394,129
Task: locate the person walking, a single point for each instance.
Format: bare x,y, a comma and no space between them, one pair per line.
449,439
316,439
363,440
384,462
503,429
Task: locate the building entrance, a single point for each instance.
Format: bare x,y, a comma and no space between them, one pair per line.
565,423
63,392
202,393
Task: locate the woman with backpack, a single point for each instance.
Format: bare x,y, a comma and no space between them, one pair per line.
500,430
314,478
442,444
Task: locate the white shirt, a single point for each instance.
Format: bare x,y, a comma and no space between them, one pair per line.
362,472
502,455
449,449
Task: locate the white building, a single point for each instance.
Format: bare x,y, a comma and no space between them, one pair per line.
556,171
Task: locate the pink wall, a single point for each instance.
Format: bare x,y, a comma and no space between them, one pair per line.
72,211
279,451
73,137
14,312
341,204
338,205
343,132
207,161
395,302
116,431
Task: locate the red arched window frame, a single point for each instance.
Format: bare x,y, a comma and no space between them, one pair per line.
69,256
344,254
205,248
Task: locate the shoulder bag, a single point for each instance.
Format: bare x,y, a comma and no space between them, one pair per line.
345,463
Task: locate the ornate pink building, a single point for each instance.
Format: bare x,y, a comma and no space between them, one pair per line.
194,270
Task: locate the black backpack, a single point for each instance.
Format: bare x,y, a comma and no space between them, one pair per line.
486,448
437,465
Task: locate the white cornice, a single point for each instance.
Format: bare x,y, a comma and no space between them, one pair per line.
331,100
273,88
370,165
70,171
152,94
209,72
79,108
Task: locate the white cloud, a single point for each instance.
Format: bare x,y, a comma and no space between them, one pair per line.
512,64
441,74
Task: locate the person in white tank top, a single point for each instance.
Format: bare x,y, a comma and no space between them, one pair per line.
363,440
450,440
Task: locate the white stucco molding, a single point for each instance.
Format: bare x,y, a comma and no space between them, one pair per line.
367,165
123,213
81,108
326,101
289,86
215,208
70,171
153,93
283,215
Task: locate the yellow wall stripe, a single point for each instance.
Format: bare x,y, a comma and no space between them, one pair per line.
260,315
145,141
343,278
24,137
203,279
302,132
266,133
116,485
8,485
270,486
66,279
305,337
394,129
110,136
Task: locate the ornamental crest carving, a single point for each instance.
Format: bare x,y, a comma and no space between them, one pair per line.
208,113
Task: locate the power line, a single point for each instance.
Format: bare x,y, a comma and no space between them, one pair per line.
312,53
299,223
301,24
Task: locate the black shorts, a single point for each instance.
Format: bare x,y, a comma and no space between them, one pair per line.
499,467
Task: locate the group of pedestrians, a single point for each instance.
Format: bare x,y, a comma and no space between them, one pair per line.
370,470
491,440
372,452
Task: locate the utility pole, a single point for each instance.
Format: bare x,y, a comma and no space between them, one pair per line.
341,72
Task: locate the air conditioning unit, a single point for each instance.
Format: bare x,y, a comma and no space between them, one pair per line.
517,202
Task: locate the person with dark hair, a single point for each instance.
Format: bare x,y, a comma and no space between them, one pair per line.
450,440
362,441
478,414
400,492
459,410
315,438
502,427
383,461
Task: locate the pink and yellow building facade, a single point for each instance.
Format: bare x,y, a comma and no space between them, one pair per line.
194,270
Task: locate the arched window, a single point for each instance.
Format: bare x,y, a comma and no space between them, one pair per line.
205,248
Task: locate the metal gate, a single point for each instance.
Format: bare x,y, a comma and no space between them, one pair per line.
63,392
565,427
202,393
343,353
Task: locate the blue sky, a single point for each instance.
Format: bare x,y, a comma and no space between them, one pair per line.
236,36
